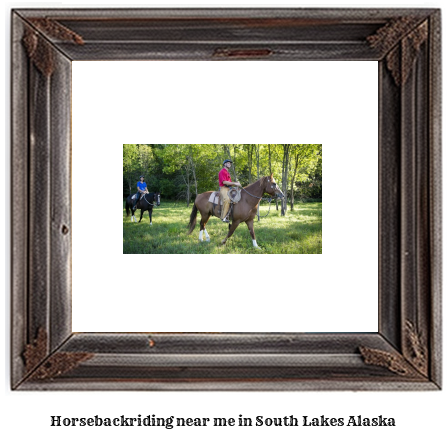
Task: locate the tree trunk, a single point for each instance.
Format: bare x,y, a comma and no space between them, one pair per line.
187,180
259,176
194,176
193,168
250,162
233,159
270,169
285,177
292,199
188,189
234,163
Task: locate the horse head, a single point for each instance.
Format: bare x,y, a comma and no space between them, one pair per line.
272,188
157,199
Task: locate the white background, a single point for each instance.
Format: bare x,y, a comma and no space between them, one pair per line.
417,414
221,102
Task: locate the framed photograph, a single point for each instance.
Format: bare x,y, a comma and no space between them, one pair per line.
231,182
49,352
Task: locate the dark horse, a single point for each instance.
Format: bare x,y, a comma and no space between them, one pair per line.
244,211
146,202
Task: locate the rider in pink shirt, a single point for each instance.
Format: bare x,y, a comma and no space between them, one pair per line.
224,183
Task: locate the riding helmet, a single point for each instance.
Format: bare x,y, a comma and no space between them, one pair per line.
227,161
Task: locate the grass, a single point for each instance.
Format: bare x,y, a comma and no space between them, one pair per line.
299,232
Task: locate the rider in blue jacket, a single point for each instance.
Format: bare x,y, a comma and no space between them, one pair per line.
142,188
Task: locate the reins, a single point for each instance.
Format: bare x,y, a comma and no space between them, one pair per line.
269,200
144,196
257,197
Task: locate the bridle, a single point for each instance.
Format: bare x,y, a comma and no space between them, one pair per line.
144,196
273,186
269,200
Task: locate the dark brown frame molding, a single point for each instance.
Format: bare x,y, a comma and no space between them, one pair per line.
405,354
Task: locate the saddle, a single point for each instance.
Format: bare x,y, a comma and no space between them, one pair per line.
215,198
234,194
135,196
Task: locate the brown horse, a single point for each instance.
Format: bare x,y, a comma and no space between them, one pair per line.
244,211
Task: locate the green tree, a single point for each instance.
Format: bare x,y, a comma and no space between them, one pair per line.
306,158
181,171
130,154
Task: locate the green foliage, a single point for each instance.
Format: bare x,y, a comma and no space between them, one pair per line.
138,159
168,188
309,178
299,233
180,171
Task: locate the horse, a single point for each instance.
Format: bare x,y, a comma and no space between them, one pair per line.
146,202
244,211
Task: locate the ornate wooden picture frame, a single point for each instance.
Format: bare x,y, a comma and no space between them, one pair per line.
405,353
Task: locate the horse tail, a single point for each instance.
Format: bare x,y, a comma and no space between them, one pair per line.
127,207
193,219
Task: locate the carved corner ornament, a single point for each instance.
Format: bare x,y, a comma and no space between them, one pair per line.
394,362
416,348
40,366
39,50
401,55
413,364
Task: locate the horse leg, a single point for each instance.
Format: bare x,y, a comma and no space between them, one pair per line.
203,223
252,232
150,215
133,210
141,215
233,227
